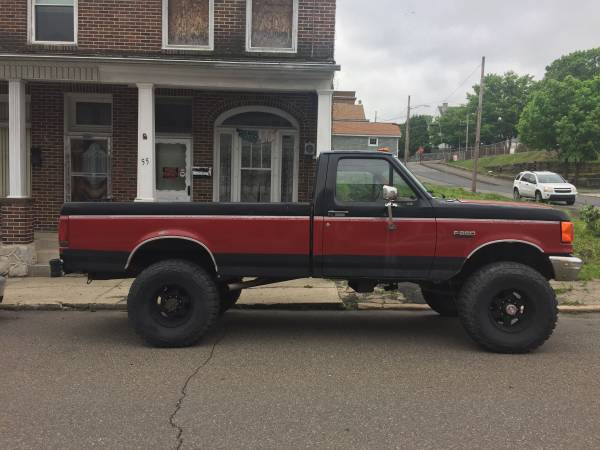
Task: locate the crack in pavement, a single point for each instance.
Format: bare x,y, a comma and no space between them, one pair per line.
183,391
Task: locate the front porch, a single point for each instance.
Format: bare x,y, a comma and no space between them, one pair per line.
134,134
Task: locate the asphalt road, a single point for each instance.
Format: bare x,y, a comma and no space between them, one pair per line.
266,379
429,174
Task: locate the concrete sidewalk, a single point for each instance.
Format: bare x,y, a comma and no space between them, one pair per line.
75,292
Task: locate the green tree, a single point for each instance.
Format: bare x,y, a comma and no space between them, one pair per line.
419,134
450,128
504,100
583,65
564,116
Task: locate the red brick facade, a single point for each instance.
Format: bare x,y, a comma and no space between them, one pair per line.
16,223
47,116
109,27
133,28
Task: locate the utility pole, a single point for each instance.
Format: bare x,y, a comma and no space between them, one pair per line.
467,139
407,134
478,131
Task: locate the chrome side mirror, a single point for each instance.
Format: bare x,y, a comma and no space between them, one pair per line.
390,193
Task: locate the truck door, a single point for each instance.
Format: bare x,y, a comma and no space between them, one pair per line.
358,240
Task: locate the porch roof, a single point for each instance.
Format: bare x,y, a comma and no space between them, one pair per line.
191,73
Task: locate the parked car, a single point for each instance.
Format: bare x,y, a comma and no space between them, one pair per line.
370,222
544,187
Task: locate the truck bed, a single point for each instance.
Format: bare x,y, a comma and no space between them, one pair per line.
244,239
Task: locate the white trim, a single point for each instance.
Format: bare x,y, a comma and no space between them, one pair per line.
324,121
165,30
17,140
264,109
504,241
71,99
31,26
250,48
158,238
146,161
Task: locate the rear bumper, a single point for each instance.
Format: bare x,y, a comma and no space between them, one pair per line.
566,268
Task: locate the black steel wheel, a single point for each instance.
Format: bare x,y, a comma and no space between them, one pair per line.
508,307
173,303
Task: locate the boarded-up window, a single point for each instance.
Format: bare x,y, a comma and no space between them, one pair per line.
189,22
272,24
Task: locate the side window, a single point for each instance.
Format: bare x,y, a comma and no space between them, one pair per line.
362,181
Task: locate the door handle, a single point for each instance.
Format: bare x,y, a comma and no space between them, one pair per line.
338,213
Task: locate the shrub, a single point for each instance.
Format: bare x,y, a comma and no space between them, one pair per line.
591,216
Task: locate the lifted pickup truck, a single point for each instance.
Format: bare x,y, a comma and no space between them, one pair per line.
370,222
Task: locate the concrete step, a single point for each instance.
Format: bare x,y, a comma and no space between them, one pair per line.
39,270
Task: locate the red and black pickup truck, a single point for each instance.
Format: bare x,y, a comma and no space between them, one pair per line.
370,222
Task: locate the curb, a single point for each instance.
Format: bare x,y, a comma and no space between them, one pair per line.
92,307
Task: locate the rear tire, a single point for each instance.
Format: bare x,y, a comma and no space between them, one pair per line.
173,303
508,307
442,303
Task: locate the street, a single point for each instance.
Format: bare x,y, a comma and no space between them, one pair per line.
435,173
268,379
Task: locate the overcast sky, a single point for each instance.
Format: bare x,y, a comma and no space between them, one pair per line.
389,49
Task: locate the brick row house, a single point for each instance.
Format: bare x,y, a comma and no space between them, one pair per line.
159,100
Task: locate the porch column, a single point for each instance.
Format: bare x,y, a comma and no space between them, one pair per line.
146,172
324,121
17,140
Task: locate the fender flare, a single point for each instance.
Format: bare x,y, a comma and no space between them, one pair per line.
183,238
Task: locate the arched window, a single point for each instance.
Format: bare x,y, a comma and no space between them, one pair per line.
256,156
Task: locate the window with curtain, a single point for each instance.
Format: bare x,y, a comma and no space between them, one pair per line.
54,20
188,23
272,24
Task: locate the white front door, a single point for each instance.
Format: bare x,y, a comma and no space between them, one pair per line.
173,169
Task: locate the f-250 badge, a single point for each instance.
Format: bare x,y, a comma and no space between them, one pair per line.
461,234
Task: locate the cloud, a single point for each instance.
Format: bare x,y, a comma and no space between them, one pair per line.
389,49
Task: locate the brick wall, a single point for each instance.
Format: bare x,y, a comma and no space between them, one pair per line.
16,222
47,100
132,27
47,132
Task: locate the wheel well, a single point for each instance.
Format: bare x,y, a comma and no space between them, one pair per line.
171,248
508,251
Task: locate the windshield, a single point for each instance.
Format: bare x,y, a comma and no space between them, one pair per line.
550,178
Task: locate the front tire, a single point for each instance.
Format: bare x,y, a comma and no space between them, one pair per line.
508,307
538,197
173,303
441,302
